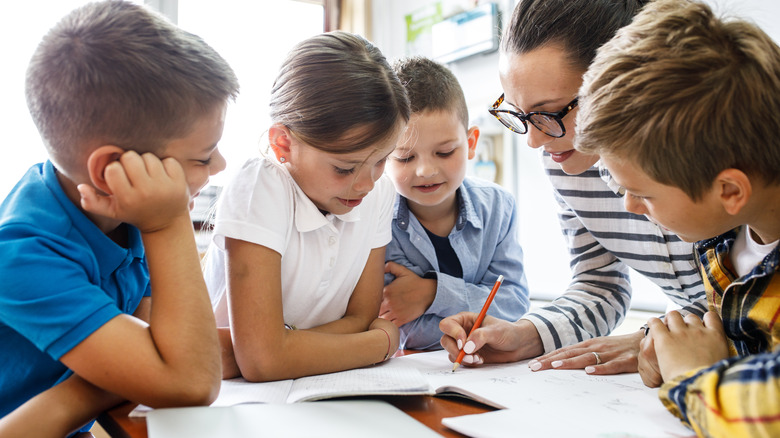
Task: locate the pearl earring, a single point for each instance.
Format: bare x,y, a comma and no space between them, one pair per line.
282,160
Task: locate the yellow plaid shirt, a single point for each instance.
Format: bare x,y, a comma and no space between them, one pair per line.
738,396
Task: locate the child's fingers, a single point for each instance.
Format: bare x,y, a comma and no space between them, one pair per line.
647,361
90,201
674,321
395,269
387,315
131,165
116,178
713,321
173,168
143,170
693,321
384,307
655,323
647,342
656,327
153,166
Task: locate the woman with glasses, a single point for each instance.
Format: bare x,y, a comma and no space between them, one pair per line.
544,52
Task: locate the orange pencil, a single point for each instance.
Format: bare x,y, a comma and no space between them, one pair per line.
480,317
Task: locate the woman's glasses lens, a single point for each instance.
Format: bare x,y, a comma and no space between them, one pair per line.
547,124
512,122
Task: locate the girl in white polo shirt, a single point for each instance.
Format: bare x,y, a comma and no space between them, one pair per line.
295,269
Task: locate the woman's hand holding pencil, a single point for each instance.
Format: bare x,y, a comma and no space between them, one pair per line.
478,321
492,341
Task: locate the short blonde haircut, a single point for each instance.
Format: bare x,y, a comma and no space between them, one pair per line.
685,95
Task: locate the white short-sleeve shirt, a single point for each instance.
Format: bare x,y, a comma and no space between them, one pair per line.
323,256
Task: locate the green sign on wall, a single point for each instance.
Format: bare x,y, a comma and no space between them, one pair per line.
418,28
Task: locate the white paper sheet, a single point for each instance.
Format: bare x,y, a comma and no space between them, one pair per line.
551,402
555,421
352,418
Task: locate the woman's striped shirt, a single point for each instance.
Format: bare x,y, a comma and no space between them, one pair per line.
604,240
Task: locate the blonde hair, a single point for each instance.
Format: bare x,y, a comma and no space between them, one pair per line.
685,95
117,73
337,93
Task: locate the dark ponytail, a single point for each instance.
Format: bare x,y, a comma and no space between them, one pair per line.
579,26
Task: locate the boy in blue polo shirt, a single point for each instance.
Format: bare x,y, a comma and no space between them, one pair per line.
130,109
452,235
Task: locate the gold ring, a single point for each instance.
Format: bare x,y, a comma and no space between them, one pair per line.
598,358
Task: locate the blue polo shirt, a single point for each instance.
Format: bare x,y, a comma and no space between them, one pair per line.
62,279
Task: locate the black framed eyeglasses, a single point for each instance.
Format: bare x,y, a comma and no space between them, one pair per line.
549,123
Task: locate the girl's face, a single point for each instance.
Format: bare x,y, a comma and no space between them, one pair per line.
337,183
544,80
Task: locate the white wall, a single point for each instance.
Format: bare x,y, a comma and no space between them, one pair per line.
765,13
546,256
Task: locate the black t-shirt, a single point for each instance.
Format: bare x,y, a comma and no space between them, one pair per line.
448,260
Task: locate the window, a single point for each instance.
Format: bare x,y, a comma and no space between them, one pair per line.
25,24
254,37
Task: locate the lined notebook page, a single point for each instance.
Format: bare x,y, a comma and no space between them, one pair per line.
380,379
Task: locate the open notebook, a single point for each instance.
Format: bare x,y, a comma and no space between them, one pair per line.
383,379
388,378
416,374
528,397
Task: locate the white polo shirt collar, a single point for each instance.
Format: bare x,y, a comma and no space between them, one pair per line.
309,218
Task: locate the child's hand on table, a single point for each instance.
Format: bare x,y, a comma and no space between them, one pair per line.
683,344
648,362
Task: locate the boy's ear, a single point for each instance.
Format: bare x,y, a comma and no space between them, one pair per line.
734,189
97,162
473,137
280,139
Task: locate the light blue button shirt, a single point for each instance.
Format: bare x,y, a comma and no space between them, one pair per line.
485,239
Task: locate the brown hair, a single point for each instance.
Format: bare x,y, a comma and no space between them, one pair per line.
578,26
432,87
117,73
685,95
331,84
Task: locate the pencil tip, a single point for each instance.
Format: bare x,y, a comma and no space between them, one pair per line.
455,366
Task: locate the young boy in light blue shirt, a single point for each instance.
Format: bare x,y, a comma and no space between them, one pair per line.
452,235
